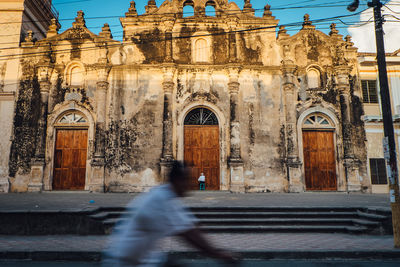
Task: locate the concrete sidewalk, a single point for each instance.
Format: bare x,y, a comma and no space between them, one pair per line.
83,200
260,246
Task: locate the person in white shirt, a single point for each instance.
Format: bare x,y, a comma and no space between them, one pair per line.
202,182
153,216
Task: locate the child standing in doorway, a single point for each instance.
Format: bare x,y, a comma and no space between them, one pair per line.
202,181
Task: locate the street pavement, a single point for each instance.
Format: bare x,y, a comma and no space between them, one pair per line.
213,263
56,200
278,242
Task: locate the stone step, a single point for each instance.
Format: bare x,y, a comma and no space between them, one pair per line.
233,215
270,222
286,229
316,221
274,209
274,219
371,216
276,214
296,228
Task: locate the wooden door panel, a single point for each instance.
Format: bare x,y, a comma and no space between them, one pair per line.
58,159
70,160
201,154
59,140
319,160
67,158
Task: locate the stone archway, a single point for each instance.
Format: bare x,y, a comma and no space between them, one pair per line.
201,147
319,153
70,152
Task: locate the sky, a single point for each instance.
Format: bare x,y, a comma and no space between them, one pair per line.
98,12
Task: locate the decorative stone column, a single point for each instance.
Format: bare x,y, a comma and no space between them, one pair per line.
343,86
168,25
232,39
97,181
38,162
235,160
293,164
167,151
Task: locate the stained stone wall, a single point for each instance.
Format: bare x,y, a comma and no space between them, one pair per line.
135,94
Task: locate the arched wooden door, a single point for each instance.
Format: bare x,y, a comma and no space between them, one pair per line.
319,154
201,147
70,153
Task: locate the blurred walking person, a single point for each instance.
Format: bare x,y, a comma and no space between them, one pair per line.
153,216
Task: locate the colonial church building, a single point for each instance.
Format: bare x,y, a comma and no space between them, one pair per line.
251,107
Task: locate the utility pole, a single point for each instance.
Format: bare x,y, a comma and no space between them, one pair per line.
389,140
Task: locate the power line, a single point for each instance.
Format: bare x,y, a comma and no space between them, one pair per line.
175,14
352,24
33,54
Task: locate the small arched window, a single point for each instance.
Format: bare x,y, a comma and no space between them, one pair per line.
72,118
210,9
76,76
201,116
188,9
200,50
313,78
317,121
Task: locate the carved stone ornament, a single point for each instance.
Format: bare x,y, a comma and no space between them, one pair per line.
340,59
151,6
102,85
79,20
307,24
53,28
44,73
28,39
73,95
44,87
132,12
307,21
333,31
105,31
349,43
233,87
289,88
102,73
248,8
29,36
168,86
267,11
282,32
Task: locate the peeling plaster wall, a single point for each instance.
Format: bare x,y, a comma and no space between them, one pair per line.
134,135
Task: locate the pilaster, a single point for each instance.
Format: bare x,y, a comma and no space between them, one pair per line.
97,181
38,162
168,25
351,165
293,164
235,159
167,151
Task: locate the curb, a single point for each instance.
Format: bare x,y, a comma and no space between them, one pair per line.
259,255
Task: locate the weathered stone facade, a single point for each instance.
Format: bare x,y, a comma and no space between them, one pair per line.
133,98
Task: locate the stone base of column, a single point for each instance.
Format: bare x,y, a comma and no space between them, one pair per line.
237,176
296,184
353,176
96,183
166,165
36,177
4,185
